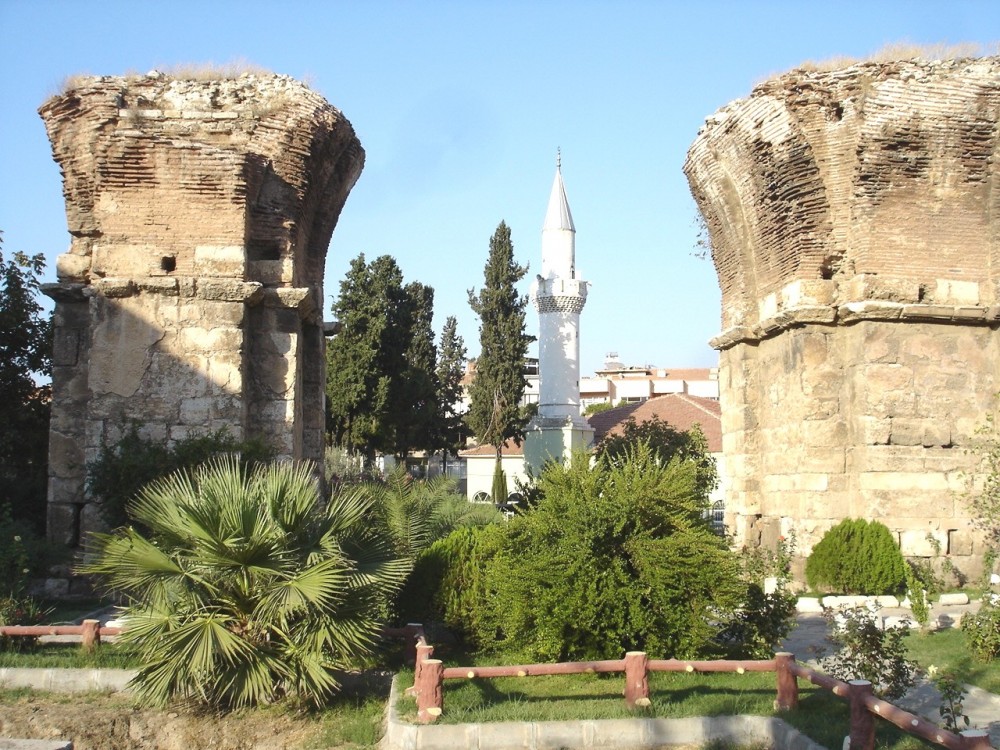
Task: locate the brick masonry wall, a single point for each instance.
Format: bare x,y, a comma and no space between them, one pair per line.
853,217
191,296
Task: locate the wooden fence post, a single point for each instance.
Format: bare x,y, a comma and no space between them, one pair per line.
975,739
636,679
862,721
430,691
90,635
424,652
787,684
412,633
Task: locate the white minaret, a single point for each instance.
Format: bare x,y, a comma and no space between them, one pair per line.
559,297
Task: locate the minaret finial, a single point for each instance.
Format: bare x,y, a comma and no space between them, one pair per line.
558,158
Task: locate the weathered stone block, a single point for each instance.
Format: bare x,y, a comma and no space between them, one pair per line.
907,431
959,542
220,260
875,430
956,291
919,543
62,522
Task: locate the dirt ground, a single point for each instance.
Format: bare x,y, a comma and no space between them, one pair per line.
112,722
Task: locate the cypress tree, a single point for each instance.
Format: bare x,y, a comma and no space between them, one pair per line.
450,369
495,414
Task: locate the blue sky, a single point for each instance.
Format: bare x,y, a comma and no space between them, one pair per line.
460,107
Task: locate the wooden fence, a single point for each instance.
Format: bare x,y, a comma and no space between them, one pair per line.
90,632
430,674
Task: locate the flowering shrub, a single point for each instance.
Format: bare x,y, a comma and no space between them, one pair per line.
867,652
952,692
20,554
982,630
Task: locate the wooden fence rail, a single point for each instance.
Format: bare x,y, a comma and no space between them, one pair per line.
90,632
868,706
430,674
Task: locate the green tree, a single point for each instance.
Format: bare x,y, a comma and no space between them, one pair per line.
417,415
25,348
495,414
248,588
982,495
666,443
598,408
366,360
450,369
615,556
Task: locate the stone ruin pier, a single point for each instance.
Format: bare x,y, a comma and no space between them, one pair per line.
854,218
191,296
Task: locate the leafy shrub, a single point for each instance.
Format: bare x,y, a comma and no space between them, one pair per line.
953,694
23,555
916,592
448,585
20,610
867,652
126,467
859,557
666,443
982,631
617,556
765,618
248,588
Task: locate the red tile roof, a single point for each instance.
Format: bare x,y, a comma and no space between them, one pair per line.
679,410
510,448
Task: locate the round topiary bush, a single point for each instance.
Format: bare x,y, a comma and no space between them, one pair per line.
857,557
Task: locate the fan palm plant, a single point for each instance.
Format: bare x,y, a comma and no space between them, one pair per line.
418,513
247,588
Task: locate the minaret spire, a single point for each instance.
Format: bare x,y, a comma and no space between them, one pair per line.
559,296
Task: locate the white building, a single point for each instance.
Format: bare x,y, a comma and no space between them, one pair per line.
620,384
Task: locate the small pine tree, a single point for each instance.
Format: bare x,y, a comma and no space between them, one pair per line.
857,557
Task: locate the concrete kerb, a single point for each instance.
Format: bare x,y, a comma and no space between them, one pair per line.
610,734
67,680
12,744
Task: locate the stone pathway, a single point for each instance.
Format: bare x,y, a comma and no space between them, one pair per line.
809,641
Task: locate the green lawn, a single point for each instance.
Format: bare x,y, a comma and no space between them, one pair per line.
70,656
820,715
946,650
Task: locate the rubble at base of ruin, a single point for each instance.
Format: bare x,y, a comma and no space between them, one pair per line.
854,218
190,299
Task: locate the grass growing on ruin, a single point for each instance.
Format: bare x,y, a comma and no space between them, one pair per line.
202,71
895,52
